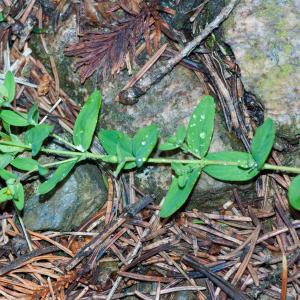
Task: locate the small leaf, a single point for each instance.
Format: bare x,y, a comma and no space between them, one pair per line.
10,138
18,197
86,122
33,115
36,136
262,142
181,169
182,180
177,196
124,150
5,175
144,142
9,83
5,159
5,195
180,134
294,193
119,168
231,173
59,174
3,92
174,141
167,146
13,118
6,127
201,127
25,164
43,171
109,140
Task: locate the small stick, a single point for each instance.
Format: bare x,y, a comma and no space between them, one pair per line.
25,232
23,259
234,293
246,261
131,95
27,12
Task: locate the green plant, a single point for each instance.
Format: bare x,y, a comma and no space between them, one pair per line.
129,152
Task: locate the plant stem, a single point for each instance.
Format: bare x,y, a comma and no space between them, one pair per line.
281,168
49,165
114,159
64,141
53,164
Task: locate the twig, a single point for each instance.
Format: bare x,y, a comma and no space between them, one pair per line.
131,96
25,232
234,293
25,258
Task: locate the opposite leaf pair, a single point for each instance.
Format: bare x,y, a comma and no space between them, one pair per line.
225,166
130,152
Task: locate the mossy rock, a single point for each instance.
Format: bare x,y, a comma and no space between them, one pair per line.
264,36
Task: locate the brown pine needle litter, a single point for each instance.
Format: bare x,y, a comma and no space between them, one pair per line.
227,252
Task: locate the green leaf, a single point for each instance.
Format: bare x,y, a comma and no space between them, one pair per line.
5,195
119,168
43,171
86,122
109,140
181,169
9,83
5,159
3,92
33,115
294,193
59,174
180,134
262,142
2,18
124,149
25,164
232,173
167,146
13,118
10,138
7,175
182,180
174,141
6,127
18,197
177,196
201,127
36,136
144,142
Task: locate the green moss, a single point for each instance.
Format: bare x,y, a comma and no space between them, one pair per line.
271,83
38,51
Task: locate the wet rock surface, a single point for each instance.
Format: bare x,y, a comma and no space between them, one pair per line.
77,197
265,38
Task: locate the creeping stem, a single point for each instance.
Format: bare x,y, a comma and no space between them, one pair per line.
114,160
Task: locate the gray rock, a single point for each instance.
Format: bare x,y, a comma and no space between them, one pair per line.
265,38
185,295
68,77
79,196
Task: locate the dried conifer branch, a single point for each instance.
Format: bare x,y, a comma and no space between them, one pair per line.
106,51
131,95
